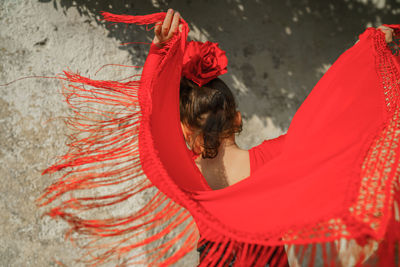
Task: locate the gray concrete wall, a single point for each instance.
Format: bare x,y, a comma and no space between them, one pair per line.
277,51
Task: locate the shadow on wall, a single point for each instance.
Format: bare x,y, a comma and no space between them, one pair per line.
277,50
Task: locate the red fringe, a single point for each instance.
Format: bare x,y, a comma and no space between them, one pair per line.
140,20
103,155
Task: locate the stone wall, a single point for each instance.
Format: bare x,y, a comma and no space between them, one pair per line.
277,51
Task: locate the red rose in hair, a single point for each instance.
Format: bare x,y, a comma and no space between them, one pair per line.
203,62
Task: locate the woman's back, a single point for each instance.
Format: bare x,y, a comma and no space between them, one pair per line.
231,165
234,164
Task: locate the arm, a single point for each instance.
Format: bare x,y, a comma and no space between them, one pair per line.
389,32
163,32
164,154
273,147
269,149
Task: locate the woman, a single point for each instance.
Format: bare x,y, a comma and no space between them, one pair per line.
234,161
209,121
323,196
212,137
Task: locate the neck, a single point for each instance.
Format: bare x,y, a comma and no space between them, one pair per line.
226,149
229,166
228,144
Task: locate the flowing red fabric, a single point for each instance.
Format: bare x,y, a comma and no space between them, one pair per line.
332,189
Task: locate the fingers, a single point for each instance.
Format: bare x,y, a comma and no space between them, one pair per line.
174,25
167,22
157,29
164,30
385,29
388,33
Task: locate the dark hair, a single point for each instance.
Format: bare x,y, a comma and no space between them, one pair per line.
209,110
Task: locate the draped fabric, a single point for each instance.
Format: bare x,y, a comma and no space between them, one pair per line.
332,188
265,152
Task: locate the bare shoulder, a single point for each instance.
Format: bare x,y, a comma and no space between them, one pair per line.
239,168
225,171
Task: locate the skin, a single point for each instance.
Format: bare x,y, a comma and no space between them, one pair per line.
163,31
388,33
232,163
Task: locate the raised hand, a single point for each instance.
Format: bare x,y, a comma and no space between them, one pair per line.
165,30
388,33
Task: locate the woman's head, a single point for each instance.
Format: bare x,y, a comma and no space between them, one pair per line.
208,115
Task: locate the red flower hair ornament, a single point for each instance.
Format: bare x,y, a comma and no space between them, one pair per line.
203,62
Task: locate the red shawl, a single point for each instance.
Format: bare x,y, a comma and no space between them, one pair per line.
335,178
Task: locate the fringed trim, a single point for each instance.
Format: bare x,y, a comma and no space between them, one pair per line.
102,169
102,174
341,252
139,20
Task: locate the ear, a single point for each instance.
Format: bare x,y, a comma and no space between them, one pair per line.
186,132
238,118
188,135
198,144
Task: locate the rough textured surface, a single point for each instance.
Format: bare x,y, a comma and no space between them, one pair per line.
277,51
